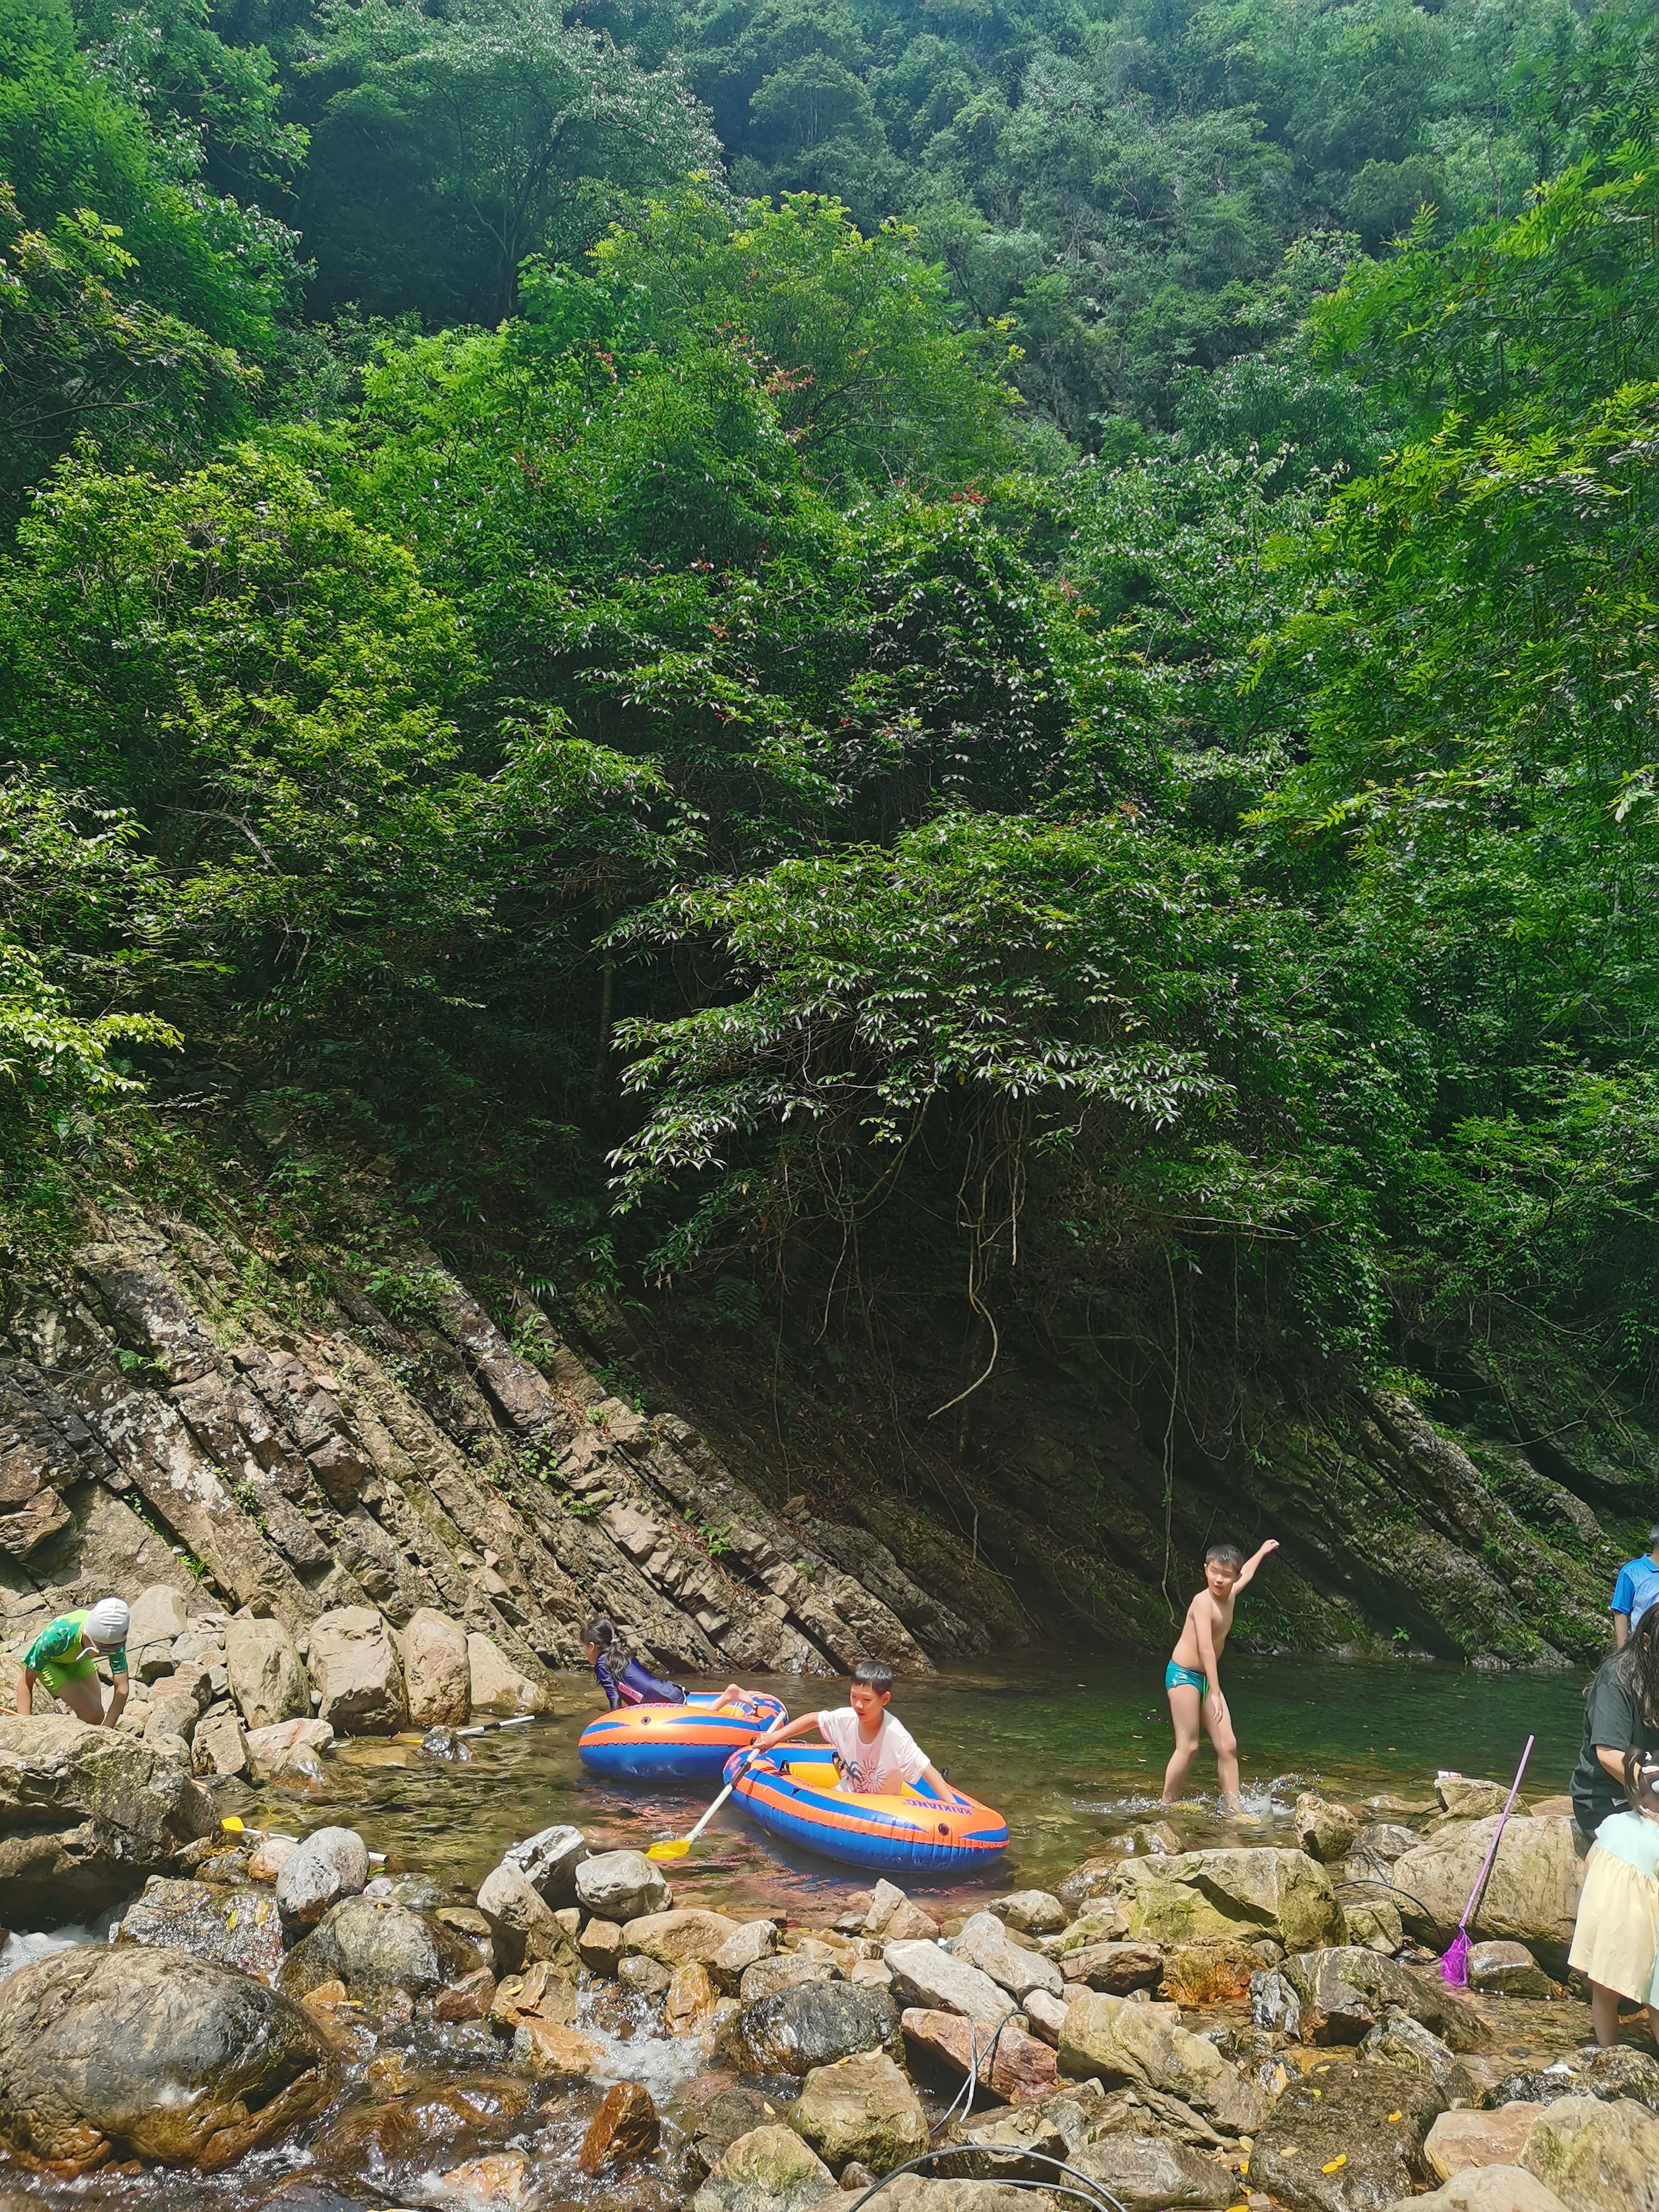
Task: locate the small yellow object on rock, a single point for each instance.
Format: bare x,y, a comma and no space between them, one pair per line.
1396,2116
231,1825
1334,2164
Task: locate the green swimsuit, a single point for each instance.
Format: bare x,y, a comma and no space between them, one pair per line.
56,1655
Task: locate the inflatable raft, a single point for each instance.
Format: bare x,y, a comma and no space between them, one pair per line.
675,1743
795,1793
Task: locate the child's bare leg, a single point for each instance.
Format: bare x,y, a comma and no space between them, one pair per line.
1604,2014
1183,1714
1218,1721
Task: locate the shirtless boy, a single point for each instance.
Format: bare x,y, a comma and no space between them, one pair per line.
1192,1677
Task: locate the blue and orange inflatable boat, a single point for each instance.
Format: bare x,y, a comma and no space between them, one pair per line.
795,1794
676,1743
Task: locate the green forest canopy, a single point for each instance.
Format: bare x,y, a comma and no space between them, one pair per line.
961,646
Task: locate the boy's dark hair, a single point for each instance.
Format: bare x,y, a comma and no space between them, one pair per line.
1653,1539
600,1631
874,1675
1224,1555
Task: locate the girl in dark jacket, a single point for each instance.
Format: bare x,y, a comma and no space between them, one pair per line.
622,1678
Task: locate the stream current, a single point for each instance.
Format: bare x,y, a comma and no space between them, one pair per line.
1070,1754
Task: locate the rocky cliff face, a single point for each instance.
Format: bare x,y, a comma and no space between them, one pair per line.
171,1414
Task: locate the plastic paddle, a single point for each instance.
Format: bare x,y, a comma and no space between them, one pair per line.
1454,1967
678,1846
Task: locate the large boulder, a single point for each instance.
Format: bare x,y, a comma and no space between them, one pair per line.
1206,1896
1486,2189
116,2051
332,1863
983,1941
85,1813
621,1886
354,1670
1326,1831
816,2023
689,1933
373,1946
1033,1912
218,1750
769,2170
1619,2071
1532,1897
1345,1992
861,2108
229,1926
1348,2140
271,1750
1139,2047
494,1684
1461,2140
267,1678
926,1977
156,1621
893,1918
437,1672
524,1928
1016,2068
548,1861
625,2129
755,1939
1596,2157
1149,2174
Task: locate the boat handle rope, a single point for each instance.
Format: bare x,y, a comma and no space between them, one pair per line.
1084,2185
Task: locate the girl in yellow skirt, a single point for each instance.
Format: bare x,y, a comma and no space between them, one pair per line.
1615,1940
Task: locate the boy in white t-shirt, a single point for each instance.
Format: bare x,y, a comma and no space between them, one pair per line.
878,1756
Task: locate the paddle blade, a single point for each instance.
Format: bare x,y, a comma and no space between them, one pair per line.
677,1849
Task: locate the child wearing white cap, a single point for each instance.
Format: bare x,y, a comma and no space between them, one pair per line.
64,1656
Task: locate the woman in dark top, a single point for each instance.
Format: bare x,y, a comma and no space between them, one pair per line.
622,1678
1621,1714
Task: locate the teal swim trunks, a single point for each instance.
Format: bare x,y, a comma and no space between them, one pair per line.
1179,1678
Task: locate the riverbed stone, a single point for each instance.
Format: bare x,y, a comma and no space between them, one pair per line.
1208,1974
1326,1831
437,1676
156,1621
1102,1920
355,1669
622,1886
768,1975
816,2023
931,1980
1596,2156
548,2050
371,1946
219,1748
540,1990
1459,2141
982,1941
1532,1897
644,1977
1045,2016
269,1856
1507,1970
1032,1911
330,1864
1117,1968
769,2170
689,2001
85,1814
172,1718
232,1927
1400,2040
495,1685
861,2108
1486,2189
1344,1991
893,1918
268,1748
1012,2065
1139,2046
1150,2173
523,1927
754,1940
1621,2071
1366,2124
599,1947
1008,2144
685,1932
548,1861
1198,1897
266,1677
625,2129
122,2051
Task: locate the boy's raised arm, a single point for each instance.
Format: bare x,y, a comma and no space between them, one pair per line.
776,1735
1248,1569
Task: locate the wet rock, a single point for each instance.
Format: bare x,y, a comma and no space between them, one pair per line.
269,1748
1532,1897
768,1975
1366,2124
1507,1970
1136,2045
1324,1831
1597,2157
1486,2189
354,1669
548,2050
717,2124
469,1997
1459,2141
621,1886
499,2177
892,1918
1206,1897
1009,2145
270,1856
1621,2071
371,1947
1149,2174
523,1928
495,1685
861,2108
688,1933
625,2129
816,2023
120,2051
85,1813
755,1940
688,2001
1345,1991
599,1947
1398,2041
266,1678
1033,1912
219,1748
1012,2066
437,1675
304,2192
236,1928
982,1941
332,1863
769,2170
540,1991
1208,1974
444,1744
1116,1968
644,1977
548,1861
931,1980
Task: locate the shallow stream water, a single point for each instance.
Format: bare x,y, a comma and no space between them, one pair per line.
1070,1754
